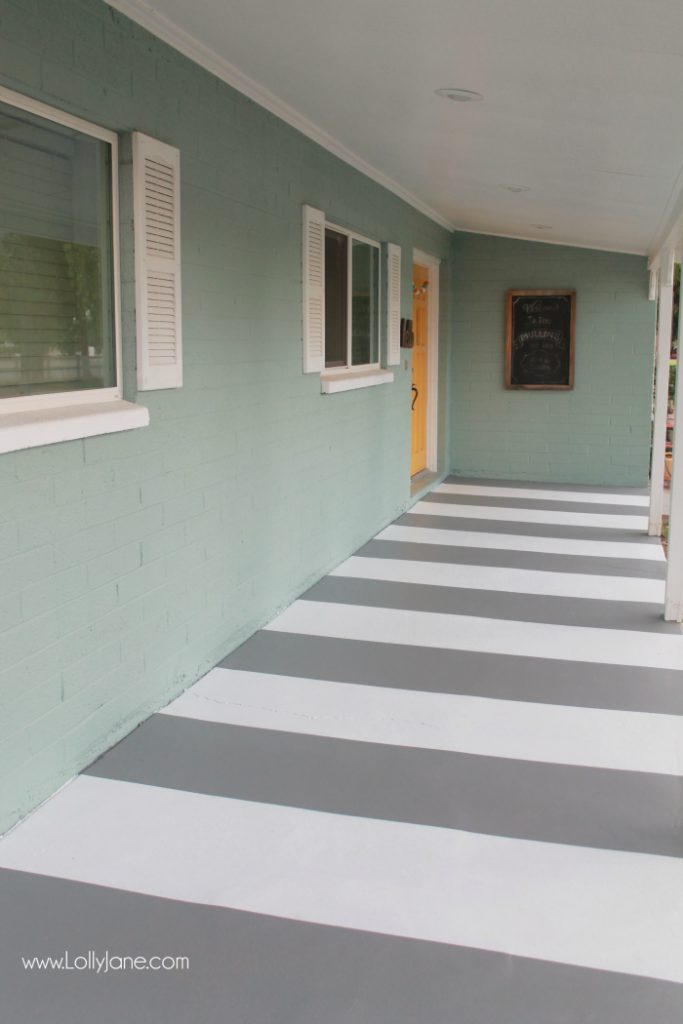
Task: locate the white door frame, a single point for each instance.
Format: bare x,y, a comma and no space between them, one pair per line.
432,263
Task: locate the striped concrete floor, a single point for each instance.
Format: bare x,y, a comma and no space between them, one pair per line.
444,787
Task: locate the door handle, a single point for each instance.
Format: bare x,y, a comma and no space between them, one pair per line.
415,397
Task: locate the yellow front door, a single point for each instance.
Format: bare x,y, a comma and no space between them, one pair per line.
418,448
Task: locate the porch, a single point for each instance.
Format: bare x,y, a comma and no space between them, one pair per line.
442,785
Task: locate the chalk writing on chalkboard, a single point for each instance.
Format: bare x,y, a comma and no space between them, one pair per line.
539,339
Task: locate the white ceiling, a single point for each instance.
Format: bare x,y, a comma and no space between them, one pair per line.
583,101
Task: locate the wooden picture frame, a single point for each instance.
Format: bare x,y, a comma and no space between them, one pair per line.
539,339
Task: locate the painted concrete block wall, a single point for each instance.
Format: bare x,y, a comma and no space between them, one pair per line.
599,433
133,562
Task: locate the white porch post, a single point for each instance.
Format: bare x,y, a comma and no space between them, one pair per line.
664,315
673,598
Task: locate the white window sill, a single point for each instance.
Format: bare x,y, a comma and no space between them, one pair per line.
353,379
36,427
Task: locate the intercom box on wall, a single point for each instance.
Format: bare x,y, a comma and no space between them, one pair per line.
407,335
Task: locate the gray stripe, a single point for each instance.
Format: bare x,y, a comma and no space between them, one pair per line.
492,604
539,680
418,552
253,969
537,504
526,529
617,810
542,485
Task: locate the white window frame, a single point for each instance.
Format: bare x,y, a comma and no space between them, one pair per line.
359,368
87,396
29,421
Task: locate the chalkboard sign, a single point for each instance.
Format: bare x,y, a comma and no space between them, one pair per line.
539,339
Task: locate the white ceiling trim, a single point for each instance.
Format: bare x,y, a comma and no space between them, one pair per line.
552,241
146,16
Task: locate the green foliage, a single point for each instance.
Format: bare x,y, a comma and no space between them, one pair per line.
50,296
84,271
674,322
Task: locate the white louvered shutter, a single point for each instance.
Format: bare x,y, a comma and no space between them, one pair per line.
393,304
314,290
156,203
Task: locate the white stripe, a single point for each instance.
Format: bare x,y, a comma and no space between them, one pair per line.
512,542
530,515
515,581
470,633
591,737
594,908
537,494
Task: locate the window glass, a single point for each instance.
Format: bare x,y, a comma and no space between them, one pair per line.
365,298
56,302
336,298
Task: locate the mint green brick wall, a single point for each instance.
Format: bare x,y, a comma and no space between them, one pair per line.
133,562
598,433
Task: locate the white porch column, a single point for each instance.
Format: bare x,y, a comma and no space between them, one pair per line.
664,315
673,598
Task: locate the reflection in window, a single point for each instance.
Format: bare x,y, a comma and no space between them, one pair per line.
365,294
336,298
56,302
351,300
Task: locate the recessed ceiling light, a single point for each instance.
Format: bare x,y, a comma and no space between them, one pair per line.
459,95
517,188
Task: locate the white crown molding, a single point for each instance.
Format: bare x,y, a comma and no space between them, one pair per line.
145,15
551,241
